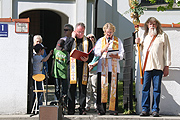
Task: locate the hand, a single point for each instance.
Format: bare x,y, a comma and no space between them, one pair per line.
74,34
137,40
83,58
166,71
90,67
105,48
51,52
115,56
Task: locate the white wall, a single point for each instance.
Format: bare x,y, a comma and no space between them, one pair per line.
75,11
170,99
167,17
13,71
113,11
6,8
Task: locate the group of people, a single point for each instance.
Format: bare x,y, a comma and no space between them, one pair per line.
97,74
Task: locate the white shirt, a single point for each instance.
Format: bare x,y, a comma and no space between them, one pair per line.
160,52
97,52
64,38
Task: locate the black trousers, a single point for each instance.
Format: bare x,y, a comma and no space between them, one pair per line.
72,93
102,106
61,88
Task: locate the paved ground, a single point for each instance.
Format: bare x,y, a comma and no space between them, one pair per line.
91,117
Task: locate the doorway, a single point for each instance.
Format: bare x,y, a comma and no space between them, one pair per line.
47,24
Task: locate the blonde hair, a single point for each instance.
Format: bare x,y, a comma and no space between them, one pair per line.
109,26
37,37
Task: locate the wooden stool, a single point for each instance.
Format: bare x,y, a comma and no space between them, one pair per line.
38,78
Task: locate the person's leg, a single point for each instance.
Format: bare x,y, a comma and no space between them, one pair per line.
65,85
88,94
116,102
99,105
145,103
71,99
57,88
94,89
82,96
157,77
40,94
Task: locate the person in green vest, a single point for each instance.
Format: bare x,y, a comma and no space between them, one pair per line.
59,68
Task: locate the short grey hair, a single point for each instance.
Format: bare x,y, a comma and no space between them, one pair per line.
80,24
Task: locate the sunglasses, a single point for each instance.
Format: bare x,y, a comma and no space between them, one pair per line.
91,37
66,29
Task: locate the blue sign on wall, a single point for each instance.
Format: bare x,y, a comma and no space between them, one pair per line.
3,30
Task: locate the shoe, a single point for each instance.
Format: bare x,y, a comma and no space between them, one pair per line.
155,114
82,111
143,113
101,113
87,109
70,113
113,113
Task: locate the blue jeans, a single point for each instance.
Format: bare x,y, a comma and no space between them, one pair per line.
156,77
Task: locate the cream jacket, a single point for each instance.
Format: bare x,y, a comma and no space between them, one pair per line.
160,52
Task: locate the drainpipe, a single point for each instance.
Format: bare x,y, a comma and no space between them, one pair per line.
95,28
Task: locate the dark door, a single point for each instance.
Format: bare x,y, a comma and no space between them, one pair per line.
48,25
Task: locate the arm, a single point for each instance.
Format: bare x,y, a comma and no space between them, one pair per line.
105,48
91,66
47,57
52,68
68,44
94,62
45,63
91,55
167,55
97,50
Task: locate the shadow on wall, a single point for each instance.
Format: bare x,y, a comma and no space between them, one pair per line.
124,27
170,98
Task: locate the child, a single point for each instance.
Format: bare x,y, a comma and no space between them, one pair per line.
38,66
59,69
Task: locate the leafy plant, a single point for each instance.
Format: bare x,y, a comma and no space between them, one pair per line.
167,7
135,7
